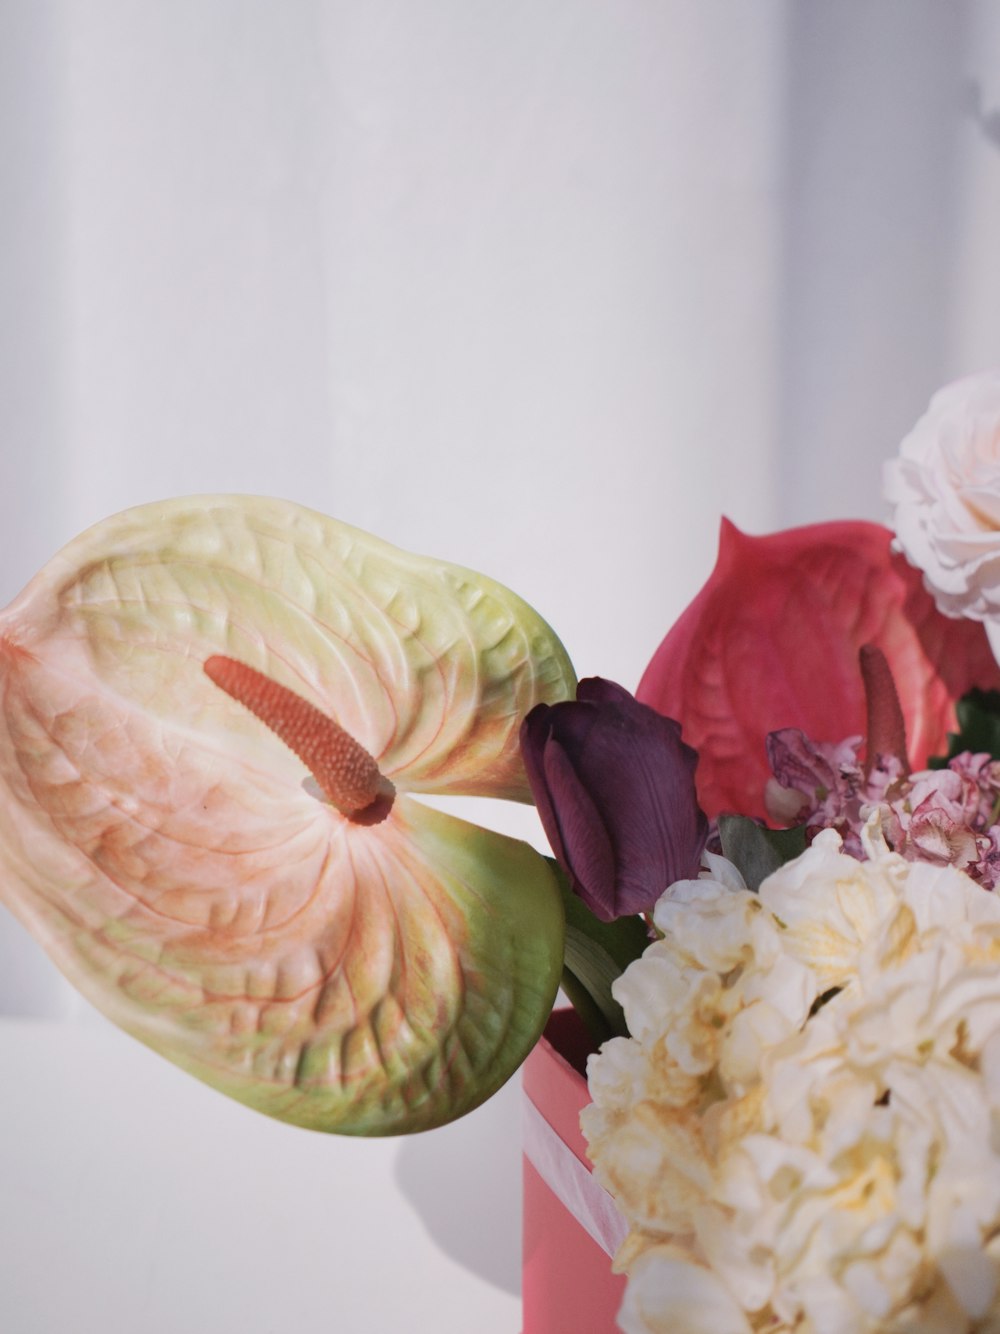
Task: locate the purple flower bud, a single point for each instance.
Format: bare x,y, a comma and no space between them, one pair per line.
614,787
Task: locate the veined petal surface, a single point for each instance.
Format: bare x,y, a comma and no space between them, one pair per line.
429,666
167,850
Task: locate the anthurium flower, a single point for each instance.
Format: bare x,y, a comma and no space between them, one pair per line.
772,641
614,787
215,715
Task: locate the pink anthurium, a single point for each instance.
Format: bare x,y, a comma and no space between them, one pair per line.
772,641
215,714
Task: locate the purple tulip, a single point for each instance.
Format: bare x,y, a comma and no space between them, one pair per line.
614,787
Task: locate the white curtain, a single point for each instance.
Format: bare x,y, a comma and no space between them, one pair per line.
499,282
539,288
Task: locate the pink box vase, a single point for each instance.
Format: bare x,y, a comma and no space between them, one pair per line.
571,1227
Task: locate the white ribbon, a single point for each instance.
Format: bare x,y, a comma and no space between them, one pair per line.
570,1181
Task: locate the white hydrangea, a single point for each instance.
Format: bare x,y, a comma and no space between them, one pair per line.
804,1129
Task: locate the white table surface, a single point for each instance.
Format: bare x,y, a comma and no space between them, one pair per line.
136,1199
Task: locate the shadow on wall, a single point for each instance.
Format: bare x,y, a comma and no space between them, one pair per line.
449,1175
988,121
30,986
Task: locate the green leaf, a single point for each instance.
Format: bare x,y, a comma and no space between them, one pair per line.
978,727
755,851
596,954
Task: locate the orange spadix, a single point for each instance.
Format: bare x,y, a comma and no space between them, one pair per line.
343,769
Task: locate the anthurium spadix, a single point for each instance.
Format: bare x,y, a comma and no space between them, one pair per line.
215,714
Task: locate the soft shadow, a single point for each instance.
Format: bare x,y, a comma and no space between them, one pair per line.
988,121
30,986
464,1181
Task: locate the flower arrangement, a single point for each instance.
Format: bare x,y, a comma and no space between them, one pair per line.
771,897
799,1118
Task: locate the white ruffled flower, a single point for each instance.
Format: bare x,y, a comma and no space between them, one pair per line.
945,491
801,1130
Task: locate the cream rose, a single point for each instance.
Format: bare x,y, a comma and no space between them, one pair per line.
945,491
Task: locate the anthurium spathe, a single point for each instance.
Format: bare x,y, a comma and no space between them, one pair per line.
215,714
772,641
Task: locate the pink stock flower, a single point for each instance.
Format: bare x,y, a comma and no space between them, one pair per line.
932,823
816,784
772,641
943,816
947,817
982,773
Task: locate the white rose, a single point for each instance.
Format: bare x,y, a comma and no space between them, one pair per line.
945,493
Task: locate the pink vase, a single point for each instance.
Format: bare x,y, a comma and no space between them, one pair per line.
570,1224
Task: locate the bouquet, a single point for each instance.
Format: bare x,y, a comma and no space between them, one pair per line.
800,1126
771,896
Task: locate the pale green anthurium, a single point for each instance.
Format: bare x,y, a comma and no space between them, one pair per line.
180,866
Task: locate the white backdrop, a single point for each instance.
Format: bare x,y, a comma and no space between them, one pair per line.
540,288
